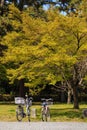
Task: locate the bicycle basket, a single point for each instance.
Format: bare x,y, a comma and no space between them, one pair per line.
19,100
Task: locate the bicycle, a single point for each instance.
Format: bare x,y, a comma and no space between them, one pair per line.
84,113
45,111
20,114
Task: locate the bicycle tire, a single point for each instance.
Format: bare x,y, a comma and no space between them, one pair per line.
28,114
29,118
46,115
19,113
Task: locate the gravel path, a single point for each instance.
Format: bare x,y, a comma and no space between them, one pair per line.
43,126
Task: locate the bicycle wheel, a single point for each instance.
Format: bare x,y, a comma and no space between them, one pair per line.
19,113
28,113
48,115
44,118
44,115
29,117
84,113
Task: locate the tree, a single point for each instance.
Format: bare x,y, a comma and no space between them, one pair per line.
22,45
45,51
66,36
75,40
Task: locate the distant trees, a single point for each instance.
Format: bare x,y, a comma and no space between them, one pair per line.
21,4
63,5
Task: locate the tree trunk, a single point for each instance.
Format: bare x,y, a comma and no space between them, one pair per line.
75,97
21,88
69,97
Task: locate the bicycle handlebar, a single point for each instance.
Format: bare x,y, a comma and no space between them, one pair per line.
44,99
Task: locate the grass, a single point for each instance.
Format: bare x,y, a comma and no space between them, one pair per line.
59,112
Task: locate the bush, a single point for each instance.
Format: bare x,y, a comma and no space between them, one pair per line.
6,97
1,97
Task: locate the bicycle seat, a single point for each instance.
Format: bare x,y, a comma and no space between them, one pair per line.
44,104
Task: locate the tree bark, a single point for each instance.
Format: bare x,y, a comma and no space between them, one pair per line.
69,97
75,85
21,88
75,97
69,89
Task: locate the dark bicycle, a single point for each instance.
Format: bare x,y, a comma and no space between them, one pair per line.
84,113
20,114
45,111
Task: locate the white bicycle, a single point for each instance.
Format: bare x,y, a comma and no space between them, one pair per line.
20,114
45,111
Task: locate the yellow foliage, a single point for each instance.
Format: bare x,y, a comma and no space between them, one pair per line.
39,49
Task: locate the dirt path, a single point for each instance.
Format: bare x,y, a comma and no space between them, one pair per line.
43,126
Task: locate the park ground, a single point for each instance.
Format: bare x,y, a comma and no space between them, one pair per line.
59,112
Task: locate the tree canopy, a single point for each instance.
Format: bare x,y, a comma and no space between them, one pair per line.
46,47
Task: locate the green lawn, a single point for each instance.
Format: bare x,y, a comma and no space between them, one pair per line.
59,112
